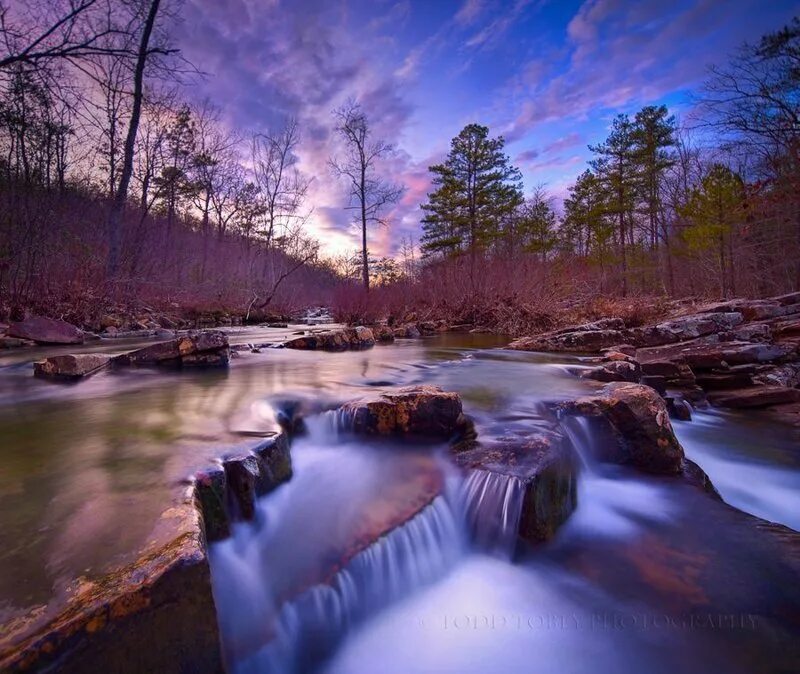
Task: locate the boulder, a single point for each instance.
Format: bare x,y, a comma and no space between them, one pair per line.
208,348
750,332
640,420
70,366
544,468
790,298
757,396
423,411
407,331
334,340
46,331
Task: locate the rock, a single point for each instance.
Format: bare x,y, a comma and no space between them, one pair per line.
696,476
383,334
70,366
110,331
678,408
208,348
277,325
786,328
544,464
46,331
781,375
684,328
640,419
750,332
655,382
717,380
615,370
407,331
167,323
579,341
15,343
708,355
154,615
602,324
334,340
228,493
627,349
425,411
790,298
758,396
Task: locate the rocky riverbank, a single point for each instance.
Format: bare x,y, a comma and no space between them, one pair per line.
739,354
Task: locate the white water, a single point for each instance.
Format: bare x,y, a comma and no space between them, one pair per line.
492,507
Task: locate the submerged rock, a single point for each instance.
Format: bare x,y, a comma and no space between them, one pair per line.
640,420
46,331
424,411
70,366
528,484
334,340
208,348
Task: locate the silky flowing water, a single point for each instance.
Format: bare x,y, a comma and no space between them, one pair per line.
624,586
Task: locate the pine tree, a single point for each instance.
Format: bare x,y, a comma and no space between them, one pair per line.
615,168
477,189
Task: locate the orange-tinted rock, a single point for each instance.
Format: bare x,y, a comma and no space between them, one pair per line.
152,616
334,340
70,366
425,411
206,348
640,420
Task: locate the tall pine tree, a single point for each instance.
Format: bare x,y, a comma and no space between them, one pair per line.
477,189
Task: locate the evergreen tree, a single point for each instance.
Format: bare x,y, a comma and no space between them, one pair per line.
654,134
616,169
536,225
477,190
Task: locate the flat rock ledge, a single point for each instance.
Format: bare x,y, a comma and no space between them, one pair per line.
207,348
155,615
71,367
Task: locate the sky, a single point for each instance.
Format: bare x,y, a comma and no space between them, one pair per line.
548,75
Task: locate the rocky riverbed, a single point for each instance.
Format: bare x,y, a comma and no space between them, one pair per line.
326,487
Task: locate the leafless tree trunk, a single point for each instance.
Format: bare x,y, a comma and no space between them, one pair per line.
115,216
369,193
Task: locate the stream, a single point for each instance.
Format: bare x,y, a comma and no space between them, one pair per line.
648,574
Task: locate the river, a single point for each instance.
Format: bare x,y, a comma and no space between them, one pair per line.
647,575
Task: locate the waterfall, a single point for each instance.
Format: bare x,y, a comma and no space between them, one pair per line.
329,426
582,438
307,628
492,506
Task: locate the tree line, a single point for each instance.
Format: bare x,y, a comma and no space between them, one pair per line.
707,206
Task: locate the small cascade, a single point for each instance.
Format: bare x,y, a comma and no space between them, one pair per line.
582,437
330,426
492,506
307,628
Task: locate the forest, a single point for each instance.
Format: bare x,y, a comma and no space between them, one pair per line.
119,191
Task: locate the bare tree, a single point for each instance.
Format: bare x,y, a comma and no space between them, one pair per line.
73,29
358,165
279,179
